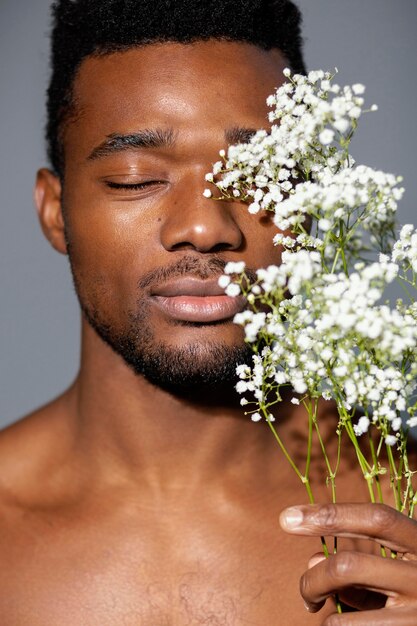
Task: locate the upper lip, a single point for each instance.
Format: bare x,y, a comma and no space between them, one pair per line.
189,286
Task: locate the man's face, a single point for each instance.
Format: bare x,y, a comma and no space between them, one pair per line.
146,247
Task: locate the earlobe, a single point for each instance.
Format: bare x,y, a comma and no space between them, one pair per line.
48,200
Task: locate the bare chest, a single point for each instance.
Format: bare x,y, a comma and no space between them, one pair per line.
144,574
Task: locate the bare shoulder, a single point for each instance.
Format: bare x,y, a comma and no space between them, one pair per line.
30,448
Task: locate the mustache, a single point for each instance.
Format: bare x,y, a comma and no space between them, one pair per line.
190,265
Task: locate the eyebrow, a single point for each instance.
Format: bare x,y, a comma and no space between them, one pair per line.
238,134
147,138
157,138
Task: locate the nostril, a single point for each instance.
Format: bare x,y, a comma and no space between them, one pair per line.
202,228
220,247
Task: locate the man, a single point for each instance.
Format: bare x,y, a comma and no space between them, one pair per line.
142,495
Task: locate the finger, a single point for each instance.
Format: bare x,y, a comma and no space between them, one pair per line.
353,598
349,569
377,522
401,616
362,599
315,559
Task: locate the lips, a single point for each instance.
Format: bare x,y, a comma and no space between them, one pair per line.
193,300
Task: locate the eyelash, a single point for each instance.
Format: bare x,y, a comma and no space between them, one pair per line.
132,186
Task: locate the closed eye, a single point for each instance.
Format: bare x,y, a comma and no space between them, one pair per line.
133,186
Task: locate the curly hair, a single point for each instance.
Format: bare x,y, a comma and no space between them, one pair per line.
82,28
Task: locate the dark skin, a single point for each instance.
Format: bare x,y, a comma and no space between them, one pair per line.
123,504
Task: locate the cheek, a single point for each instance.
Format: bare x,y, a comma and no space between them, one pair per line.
260,249
109,250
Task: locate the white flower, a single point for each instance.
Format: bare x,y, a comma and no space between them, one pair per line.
234,267
355,112
280,378
224,281
326,137
241,386
232,290
341,124
396,424
299,386
243,370
326,354
318,319
325,224
254,208
362,426
358,89
207,193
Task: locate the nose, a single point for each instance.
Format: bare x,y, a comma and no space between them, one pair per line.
195,222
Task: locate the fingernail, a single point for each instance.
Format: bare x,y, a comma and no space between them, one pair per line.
315,560
291,518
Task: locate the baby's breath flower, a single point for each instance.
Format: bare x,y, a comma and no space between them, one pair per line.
254,208
326,136
318,321
233,290
358,89
224,281
241,386
234,267
362,426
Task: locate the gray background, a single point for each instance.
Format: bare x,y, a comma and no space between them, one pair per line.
370,41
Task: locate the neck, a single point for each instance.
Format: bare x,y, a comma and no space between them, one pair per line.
127,427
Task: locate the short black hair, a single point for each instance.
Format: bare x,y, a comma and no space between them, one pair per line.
94,27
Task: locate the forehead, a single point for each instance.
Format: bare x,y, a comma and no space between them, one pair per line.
213,83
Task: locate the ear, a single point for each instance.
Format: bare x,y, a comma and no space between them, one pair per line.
48,195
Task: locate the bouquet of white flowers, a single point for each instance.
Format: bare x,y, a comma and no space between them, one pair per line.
319,322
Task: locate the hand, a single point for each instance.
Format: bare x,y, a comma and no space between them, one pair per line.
383,589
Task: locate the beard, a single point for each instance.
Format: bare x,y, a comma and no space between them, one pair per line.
198,369
202,371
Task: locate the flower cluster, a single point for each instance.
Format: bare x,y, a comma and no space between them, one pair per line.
312,124
318,322
326,335
405,249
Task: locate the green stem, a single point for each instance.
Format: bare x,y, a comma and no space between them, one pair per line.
364,465
410,495
336,258
311,420
283,448
378,484
331,473
395,481
376,468
345,266
304,479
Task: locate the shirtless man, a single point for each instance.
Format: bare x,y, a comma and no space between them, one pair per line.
142,495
